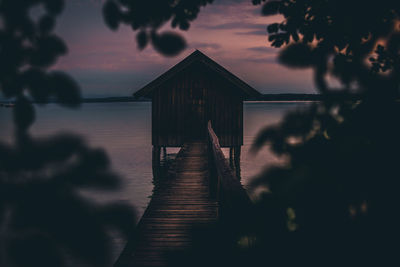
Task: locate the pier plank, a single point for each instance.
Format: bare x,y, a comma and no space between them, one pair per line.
178,204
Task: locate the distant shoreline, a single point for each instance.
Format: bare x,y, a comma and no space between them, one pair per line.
264,97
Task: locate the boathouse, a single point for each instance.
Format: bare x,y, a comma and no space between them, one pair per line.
190,94
188,101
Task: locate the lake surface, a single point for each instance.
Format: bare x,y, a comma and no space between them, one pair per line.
124,131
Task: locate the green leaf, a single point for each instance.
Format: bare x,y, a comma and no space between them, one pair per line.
142,39
48,49
295,37
24,113
184,25
273,28
169,43
37,83
271,8
54,6
111,14
46,24
297,56
65,89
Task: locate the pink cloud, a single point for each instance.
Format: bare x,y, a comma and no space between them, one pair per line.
230,34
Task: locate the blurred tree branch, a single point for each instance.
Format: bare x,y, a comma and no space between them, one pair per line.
341,172
44,218
147,17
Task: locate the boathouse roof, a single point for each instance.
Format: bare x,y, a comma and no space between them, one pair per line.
195,58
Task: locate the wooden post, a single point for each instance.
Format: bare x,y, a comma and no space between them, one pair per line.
156,155
231,157
156,162
212,174
237,152
164,154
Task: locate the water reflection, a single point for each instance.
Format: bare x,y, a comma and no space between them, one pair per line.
124,131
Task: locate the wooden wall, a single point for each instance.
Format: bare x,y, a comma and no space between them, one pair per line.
182,107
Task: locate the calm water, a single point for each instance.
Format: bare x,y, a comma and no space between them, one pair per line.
124,131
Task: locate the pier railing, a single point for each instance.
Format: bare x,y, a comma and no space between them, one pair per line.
225,187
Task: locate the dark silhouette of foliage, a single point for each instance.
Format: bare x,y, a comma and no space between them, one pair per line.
340,38
334,201
147,17
28,48
45,219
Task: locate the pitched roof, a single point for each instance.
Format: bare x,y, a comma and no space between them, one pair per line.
196,57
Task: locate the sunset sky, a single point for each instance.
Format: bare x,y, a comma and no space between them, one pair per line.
232,32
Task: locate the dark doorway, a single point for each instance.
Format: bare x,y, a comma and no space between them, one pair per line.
195,117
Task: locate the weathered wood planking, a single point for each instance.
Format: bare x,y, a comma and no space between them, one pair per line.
234,202
182,107
179,203
190,94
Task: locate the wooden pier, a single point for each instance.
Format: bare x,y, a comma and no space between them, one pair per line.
200,187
